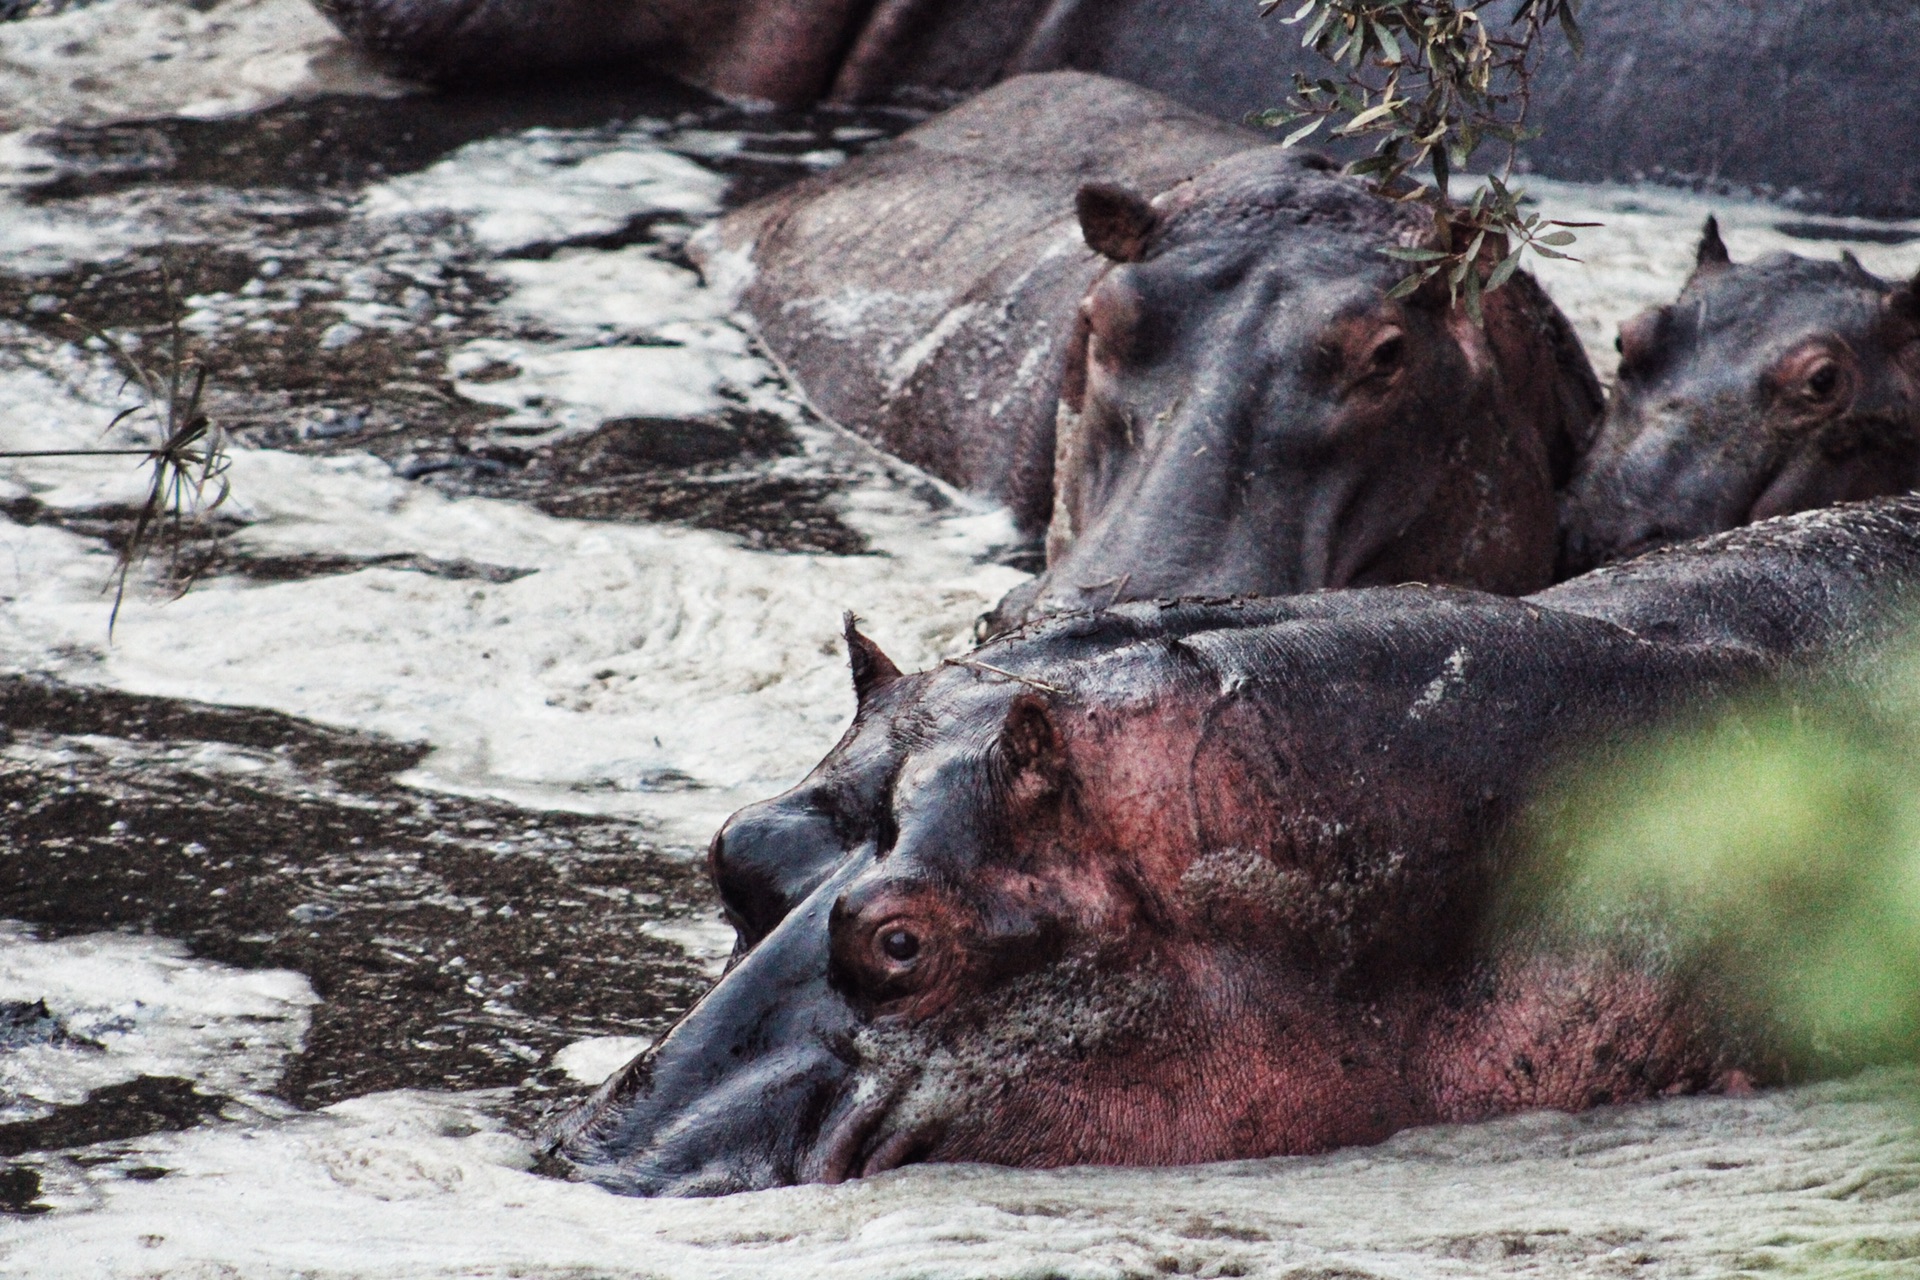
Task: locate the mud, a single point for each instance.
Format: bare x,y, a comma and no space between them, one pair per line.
140,1107
262,250
455,943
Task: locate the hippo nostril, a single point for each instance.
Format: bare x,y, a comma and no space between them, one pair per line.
900,945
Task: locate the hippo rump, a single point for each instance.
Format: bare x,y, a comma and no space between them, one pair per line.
1191,881
1242,407
1802,97
1766,388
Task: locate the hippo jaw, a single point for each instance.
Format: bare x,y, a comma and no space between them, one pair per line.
1765,389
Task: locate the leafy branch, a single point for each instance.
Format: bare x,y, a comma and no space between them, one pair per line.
1431,82
188,458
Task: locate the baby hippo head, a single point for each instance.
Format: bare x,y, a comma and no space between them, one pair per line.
953,948
1249,409
1766,388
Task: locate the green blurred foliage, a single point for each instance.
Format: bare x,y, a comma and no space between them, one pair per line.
1775,847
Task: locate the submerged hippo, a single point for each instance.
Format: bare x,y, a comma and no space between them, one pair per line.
1197,881
1244,408
1800,95
1766,388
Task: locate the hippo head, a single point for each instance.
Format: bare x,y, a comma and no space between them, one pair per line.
1247,410
954,948
1764,389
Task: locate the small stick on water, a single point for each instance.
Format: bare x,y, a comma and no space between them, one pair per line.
977,665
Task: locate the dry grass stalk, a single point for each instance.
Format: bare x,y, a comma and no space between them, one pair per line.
188,459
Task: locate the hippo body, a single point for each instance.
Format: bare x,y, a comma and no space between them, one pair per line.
1766,388
1243,408
1797,97
1193,881
924,294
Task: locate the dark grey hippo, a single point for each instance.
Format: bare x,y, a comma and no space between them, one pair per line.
1805,99
1206,392
924,293
1766,388
1200,881
1246,410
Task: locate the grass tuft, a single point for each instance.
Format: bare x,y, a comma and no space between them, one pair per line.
188,459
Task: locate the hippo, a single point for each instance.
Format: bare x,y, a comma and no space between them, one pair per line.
1208,391
923,295
1795,97
1205,880
1766,388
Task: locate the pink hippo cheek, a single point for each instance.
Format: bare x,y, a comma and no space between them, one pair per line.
1293,1078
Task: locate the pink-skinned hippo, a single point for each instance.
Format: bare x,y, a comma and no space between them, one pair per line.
1171,347
1796,97
1198,880
1766,388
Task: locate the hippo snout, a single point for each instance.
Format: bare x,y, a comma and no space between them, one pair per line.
742,1093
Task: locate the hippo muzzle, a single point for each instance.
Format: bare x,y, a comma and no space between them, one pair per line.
747,1091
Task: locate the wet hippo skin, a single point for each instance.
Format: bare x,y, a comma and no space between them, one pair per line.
1765,388
1802,97
1205,392
924,294
1197,881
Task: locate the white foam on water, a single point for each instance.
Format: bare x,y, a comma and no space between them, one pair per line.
419,1185
131,59
548,185
673,674
592,1060
148,1009
632,653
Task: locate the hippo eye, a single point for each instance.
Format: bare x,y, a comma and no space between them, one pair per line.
1824,380
900,945
1386,355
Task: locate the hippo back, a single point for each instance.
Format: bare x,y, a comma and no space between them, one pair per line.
923,294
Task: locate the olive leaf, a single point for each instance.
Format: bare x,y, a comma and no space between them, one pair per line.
1430,82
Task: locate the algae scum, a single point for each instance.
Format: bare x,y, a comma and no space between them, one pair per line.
320,883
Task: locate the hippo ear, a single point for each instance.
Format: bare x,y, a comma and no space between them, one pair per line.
872,669
1115,221
1712,257
1030,744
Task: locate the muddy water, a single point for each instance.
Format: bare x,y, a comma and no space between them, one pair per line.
324,880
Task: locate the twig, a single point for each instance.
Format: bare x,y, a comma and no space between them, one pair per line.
77,453
977,665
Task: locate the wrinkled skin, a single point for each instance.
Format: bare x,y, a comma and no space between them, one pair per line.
1766,388
924,293
1208,393
1197,881
1790,95
1246,411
